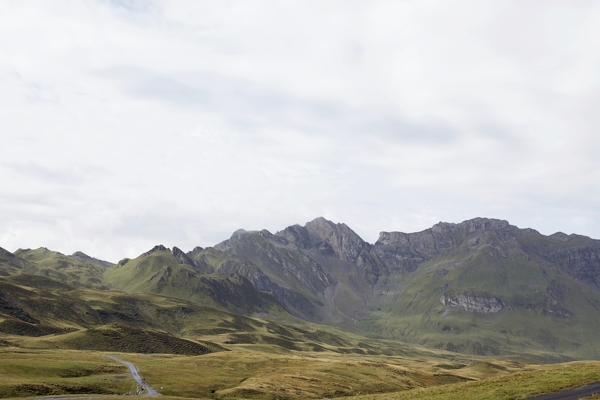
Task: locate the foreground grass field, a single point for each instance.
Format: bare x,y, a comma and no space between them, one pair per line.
35,373
247,372
521,385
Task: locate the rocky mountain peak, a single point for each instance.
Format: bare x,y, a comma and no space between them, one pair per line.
197,250
6,253
297,235
158,247
240,233
471,225
563,237
236,236
182,257
408,250
338,239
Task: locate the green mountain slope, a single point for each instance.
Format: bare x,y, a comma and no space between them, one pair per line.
487,287
11,264
160,271
38,312
77,269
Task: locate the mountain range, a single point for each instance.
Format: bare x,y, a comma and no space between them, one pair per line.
482,286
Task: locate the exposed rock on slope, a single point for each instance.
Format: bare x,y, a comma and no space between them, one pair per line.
471,303
406,251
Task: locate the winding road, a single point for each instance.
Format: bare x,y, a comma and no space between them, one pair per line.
136,376
571,394
133,371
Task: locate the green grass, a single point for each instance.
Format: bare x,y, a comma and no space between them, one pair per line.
63,268
246,372
122,338
34,373
520,385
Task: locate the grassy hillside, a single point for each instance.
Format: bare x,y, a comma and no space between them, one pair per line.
36,373
253,374
42,303
41,313
522,385
160,272
78,269
127,339
12,265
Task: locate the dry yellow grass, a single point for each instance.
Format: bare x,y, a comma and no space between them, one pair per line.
246,372
27,373
533,382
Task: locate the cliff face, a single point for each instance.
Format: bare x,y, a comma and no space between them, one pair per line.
406,251
478,304
303,259
578,256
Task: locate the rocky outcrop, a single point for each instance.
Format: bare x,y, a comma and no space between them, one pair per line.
406,251
297,235
182,257
274,254
337,240
293,301
578,256
158,247
477,304
196,251
248,270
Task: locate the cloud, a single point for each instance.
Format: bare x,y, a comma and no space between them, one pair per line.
129,123
240,101
43,174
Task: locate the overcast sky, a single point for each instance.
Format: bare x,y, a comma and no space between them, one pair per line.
125,124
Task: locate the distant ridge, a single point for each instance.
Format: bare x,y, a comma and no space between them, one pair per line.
482,286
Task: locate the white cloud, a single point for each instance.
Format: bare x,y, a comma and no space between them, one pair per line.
128,123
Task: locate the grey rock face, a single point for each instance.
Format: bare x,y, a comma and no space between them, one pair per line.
581,262
578,256
475,304
405,251
195,251
250,271
158,247
261,282
339,238
182,257
297,235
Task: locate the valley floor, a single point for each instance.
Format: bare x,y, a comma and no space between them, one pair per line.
246,372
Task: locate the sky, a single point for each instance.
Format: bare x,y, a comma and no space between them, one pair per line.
125,123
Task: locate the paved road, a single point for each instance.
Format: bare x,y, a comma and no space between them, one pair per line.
572,394
136,376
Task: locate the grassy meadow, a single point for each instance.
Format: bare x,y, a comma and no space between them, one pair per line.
259,371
